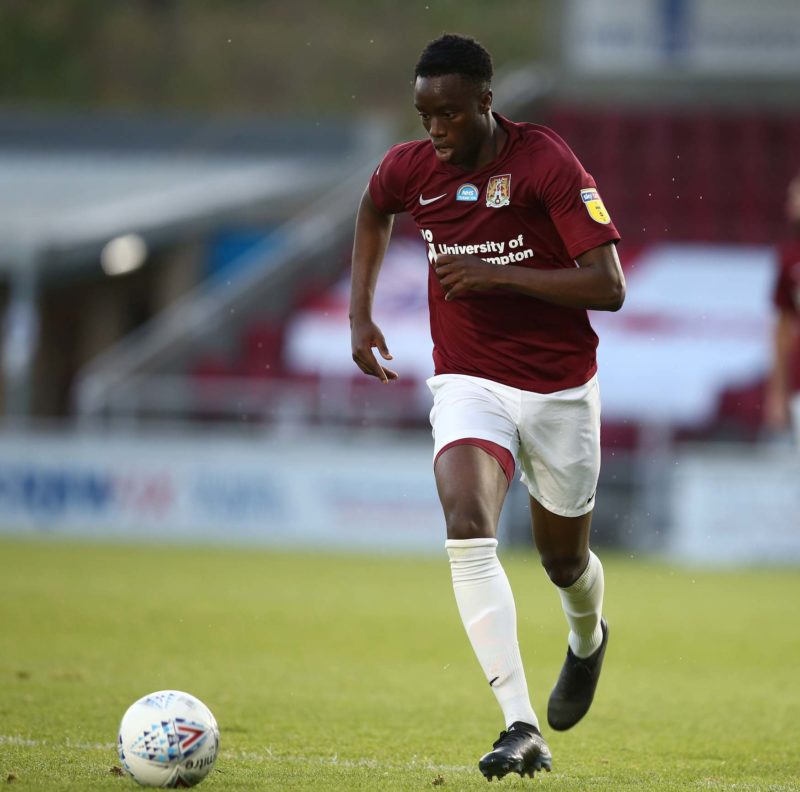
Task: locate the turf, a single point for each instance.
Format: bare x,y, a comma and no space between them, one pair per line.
352,673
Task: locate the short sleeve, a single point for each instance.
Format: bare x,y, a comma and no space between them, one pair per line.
573,202
783,293
387,187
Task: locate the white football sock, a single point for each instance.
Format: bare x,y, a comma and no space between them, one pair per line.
486,605
583,605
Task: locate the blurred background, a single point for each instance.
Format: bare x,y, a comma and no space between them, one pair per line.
178,186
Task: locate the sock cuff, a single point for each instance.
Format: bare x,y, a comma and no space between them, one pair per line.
588,576
471,551
467,543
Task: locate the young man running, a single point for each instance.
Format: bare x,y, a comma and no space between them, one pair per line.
519,247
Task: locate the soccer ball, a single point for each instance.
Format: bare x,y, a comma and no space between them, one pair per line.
168,739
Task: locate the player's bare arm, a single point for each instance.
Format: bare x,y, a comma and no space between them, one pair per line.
373,229
597,283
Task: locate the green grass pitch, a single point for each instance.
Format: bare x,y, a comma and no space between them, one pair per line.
342,672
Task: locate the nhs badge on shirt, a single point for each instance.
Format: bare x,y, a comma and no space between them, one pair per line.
467,192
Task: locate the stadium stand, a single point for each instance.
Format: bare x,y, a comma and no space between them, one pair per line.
691,174
682,197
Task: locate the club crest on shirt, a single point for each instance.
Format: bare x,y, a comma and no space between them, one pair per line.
594,205
467,192
498,191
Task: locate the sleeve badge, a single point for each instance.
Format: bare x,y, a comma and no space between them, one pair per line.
594,206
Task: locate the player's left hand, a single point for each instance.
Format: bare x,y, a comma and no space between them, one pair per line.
459,274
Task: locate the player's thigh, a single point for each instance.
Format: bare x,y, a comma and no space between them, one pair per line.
472,487
560,449
470,481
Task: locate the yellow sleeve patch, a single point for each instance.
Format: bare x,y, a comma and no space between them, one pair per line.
594,206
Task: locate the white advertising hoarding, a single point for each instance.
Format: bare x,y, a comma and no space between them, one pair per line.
736,506
377,493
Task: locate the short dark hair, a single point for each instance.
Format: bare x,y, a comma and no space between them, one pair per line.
454,54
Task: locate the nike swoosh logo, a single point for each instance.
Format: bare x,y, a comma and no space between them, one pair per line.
492,681
426,201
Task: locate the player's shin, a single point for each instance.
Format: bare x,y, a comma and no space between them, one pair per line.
583,606
487,609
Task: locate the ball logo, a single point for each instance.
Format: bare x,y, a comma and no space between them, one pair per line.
467,192
188,735
167,740
498,191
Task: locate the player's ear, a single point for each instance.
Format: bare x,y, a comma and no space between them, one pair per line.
485,102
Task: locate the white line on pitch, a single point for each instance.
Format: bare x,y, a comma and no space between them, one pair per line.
266,755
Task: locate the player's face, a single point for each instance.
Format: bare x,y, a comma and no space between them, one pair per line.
456,114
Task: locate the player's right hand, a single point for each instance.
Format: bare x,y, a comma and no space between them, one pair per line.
364,337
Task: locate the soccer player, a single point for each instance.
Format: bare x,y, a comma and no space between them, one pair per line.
783,385
519,247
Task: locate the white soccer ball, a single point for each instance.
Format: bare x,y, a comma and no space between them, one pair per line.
168,739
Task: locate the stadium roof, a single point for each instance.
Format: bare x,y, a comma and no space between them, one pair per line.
69,184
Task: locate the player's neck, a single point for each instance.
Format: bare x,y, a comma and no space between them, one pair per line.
493,145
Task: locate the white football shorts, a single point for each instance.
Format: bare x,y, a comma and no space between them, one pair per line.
555,437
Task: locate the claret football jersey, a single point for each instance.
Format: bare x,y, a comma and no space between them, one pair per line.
533,206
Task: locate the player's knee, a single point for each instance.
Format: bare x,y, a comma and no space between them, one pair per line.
468,524
563,571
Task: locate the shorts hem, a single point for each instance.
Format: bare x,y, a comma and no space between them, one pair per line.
560,510
474,434
507,463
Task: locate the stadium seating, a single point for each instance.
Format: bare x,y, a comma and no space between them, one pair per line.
666,175
687,176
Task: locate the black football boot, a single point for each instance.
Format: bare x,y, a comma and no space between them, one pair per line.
572,696
521,749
